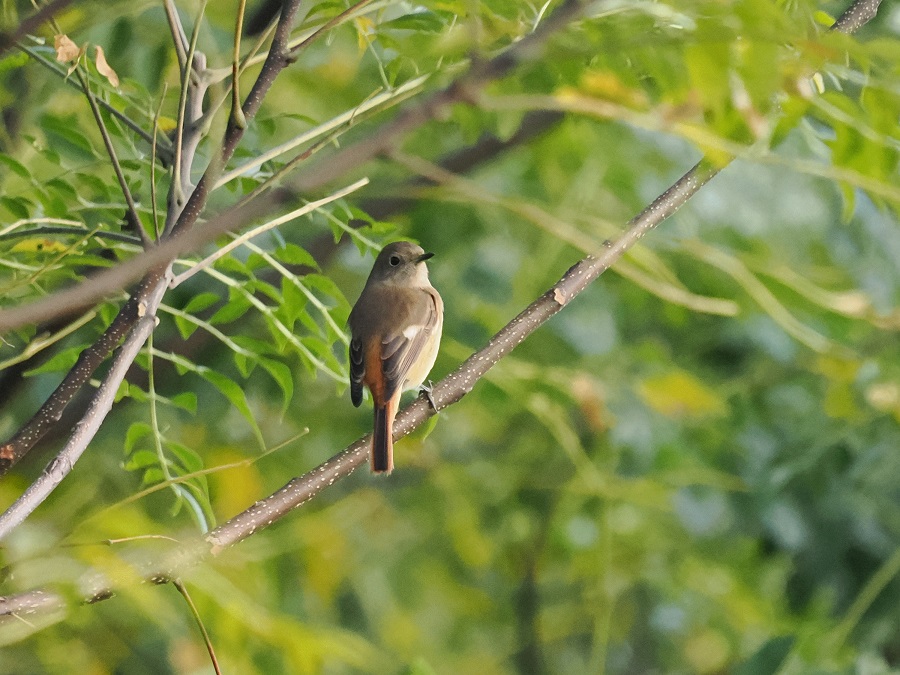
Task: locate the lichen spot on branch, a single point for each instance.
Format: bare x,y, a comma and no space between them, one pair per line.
560,297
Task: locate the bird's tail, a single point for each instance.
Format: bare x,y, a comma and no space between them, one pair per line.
383,437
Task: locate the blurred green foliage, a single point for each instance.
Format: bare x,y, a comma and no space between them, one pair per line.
692,469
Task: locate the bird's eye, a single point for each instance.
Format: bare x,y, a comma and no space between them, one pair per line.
394,260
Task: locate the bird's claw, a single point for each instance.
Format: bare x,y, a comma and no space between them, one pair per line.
426,389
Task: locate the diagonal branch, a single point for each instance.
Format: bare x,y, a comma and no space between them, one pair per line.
100,405
459,383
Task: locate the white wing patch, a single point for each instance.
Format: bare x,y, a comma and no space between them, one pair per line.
410,332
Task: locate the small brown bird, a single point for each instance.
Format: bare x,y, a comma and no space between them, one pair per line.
395,331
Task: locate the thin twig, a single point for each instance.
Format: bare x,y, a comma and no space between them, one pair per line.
183,159
131,215
153,197
397,95
327,26
177,583
236,112
179,37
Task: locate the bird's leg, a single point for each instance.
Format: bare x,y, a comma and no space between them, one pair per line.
426,389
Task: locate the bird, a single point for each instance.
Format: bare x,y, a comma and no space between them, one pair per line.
395,334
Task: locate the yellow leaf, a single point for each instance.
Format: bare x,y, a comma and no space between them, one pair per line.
364,28
680,394
104,68
66,50
608,86
167,124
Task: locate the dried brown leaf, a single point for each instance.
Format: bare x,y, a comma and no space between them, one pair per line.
104,68
66,50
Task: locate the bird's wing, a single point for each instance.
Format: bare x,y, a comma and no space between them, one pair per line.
400,349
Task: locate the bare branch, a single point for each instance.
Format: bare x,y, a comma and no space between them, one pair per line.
276,61
856,16
196,614
190,112
51,411
100,405
179,37
236,113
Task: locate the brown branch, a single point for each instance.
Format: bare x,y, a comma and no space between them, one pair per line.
856,16
51,411
277,60
147,300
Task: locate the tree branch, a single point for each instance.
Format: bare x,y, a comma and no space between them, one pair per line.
100,405
276,61
856,16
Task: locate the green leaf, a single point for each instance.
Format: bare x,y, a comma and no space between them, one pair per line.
769,658
200,302
235,395
63,361
135,432
141,460
189,459
295,255
186,400
232,310
15,166
153,476
283,377
17,206
419,22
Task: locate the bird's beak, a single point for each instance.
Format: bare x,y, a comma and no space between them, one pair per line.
424,257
